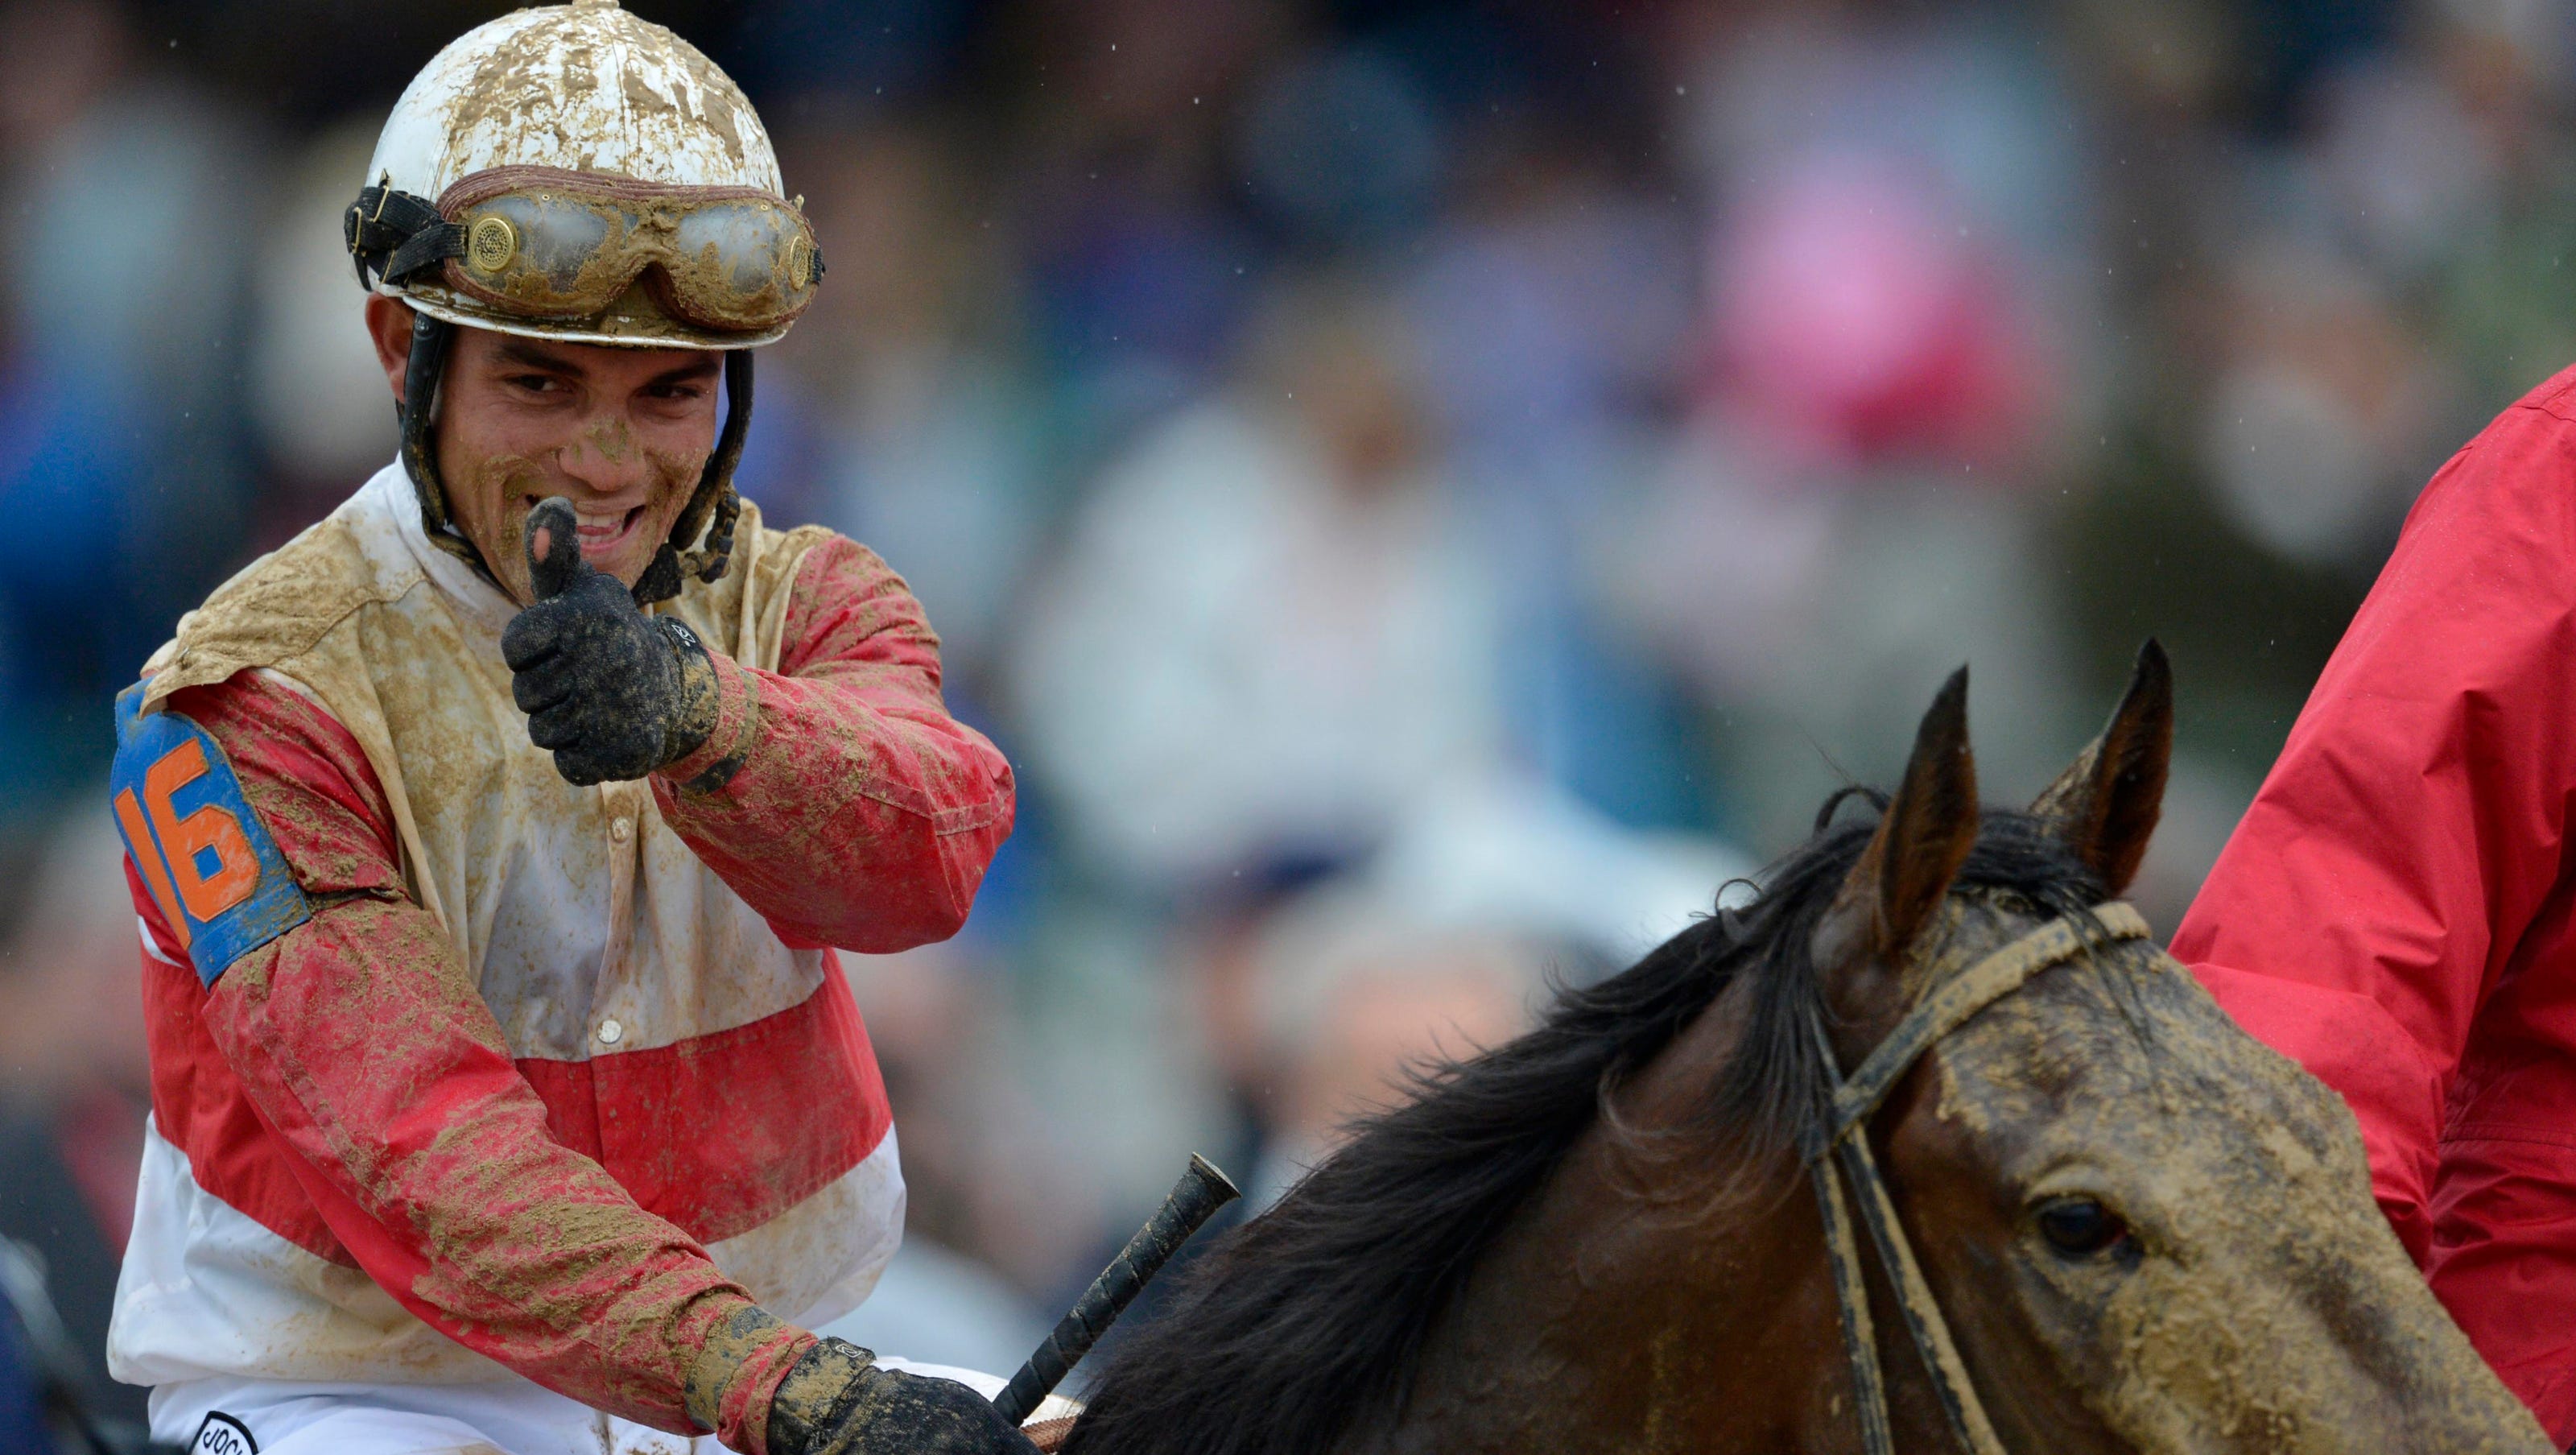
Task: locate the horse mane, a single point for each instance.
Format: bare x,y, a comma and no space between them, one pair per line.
1294,1324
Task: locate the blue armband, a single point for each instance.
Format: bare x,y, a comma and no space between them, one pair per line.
207,859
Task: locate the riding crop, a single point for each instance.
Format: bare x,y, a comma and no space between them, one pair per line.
1196,1197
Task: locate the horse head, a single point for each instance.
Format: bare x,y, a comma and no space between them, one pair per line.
2109,1219
2147,1230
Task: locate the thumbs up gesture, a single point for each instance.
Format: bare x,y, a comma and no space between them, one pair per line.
611,692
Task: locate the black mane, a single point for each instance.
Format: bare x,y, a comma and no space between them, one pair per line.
1300,1320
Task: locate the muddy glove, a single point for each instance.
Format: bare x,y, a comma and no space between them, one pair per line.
612,692
836,1401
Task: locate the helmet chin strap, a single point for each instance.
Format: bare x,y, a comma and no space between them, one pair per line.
430,338
712,509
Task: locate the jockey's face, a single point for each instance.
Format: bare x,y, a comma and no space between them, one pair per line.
622,432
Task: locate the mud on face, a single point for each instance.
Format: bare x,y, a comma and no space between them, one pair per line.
491,498
624,433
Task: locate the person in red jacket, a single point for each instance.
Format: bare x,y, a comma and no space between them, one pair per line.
2397,910
491,841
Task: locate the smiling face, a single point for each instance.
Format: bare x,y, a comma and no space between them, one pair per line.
621,432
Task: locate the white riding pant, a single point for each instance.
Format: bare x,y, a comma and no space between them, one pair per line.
506,1417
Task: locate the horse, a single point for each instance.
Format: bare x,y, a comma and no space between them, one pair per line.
2109,1218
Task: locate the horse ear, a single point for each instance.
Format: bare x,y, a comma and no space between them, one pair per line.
1925,834
2106,803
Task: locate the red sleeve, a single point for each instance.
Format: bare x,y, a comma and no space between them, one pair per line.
364,1048
2373,894
836,794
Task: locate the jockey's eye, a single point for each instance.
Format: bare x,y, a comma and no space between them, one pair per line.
2079,1226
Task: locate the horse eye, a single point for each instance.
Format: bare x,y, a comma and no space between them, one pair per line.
2079,1226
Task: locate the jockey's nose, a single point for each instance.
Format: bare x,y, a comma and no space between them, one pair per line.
605,457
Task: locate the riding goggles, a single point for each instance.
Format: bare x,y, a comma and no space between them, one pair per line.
548,244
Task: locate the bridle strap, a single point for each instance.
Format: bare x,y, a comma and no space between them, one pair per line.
1851,1290
1949,1007
1972,990
1915,1304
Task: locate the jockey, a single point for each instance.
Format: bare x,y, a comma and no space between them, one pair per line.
491,837
2397,911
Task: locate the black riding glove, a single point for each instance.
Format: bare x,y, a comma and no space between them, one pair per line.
836,1401
612,692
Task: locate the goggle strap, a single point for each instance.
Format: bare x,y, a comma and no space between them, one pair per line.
425,250
396,234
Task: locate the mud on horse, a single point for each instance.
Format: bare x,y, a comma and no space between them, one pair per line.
2113,1221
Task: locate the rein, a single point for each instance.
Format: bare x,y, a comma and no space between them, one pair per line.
1844,1138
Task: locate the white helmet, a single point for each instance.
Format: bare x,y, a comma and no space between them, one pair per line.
573,172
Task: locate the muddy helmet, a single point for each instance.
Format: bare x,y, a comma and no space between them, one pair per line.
572,172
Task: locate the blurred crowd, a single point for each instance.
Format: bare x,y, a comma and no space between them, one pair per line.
1424,491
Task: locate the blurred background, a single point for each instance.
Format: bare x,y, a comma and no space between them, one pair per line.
1424,491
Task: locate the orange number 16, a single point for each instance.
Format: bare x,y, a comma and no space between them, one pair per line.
212,829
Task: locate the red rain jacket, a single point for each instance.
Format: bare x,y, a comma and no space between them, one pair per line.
2395,910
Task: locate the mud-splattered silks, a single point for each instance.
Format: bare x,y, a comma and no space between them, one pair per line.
553,1077
1844,1137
